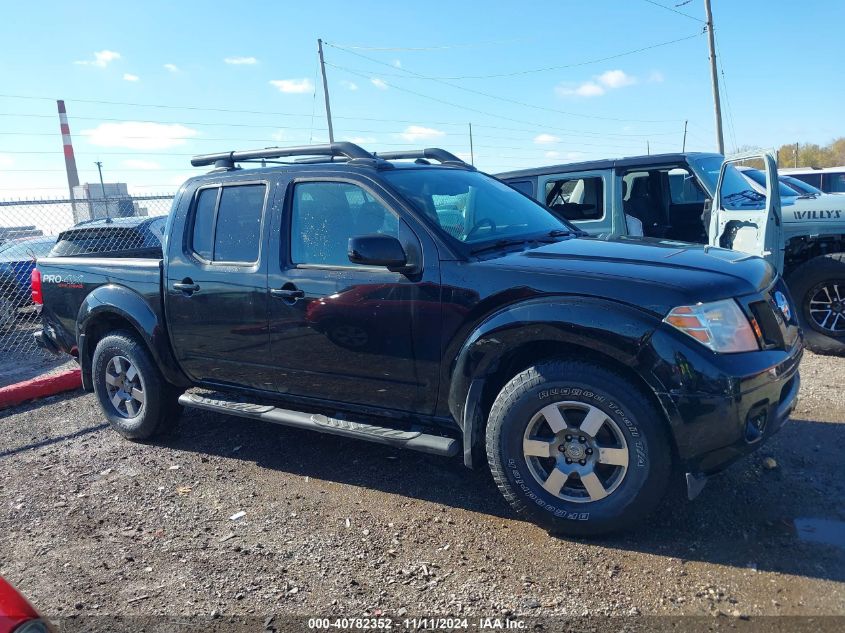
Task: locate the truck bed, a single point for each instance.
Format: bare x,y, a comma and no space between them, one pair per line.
67,282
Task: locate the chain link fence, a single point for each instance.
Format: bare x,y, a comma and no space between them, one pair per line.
119,225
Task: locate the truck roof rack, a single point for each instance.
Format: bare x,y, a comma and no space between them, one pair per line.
429,153
227,160
342,151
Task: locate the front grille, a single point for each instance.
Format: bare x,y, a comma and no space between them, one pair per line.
779,330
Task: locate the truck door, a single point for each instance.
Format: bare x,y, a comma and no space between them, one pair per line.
583,198
743,219
342,332
216,284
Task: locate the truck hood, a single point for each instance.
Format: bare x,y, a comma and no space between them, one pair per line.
659,274
823,208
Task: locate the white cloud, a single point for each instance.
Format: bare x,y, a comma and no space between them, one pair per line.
241,61
349,85
616,79
172,68
361,140
131,77
545,139
598,85
397,63
139,135
6,160
101,59
586,89
137,163
293,86
278,135
656,77
552,154
381,84
418,132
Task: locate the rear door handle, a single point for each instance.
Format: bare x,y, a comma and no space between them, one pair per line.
188,287
287,293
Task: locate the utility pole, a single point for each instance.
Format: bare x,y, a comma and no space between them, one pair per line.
684,146
99,165
795,155
648,148
714,77
471,151
325,90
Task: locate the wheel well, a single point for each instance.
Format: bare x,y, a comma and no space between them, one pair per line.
104,325
801,249
535,352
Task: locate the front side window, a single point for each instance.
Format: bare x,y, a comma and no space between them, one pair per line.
577,198
227,223
472,207
737,193
324,215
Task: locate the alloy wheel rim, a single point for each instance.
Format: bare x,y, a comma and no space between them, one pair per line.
827,308
125,387
575,451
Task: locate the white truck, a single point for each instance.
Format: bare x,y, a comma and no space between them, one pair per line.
703,198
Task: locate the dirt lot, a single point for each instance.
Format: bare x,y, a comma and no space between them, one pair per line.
92,524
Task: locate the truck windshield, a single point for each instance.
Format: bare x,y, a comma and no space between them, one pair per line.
472,207
737,192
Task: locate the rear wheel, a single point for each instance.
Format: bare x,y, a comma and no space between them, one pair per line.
133,394
577,449
818,287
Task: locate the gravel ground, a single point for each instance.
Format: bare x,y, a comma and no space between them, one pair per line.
93,524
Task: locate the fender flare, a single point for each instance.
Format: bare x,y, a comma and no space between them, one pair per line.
618,331
116,300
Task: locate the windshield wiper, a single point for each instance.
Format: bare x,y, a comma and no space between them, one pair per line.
502,243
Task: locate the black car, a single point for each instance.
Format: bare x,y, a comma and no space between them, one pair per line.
128,236
432,307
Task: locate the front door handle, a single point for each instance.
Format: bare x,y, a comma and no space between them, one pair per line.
187,286
287,293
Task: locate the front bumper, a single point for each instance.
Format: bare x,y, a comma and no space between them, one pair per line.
723,407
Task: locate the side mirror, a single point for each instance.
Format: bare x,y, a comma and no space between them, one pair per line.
377,250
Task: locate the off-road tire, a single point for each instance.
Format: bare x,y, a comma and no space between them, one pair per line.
159,412
643,426
804,283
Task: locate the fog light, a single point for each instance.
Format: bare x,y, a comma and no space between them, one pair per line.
755,424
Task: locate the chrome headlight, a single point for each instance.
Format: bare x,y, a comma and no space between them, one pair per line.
720,325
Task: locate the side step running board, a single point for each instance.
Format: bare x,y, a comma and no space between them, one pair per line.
414,440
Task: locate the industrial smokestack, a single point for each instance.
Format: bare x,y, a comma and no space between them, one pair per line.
70,160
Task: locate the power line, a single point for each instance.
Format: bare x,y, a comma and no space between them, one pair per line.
663,6
488,95
442,47
533,70
579,132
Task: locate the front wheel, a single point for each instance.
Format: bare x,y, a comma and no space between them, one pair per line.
818,287
577,448
133,394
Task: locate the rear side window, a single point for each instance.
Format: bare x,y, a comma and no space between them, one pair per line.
227,223
577,199
204,222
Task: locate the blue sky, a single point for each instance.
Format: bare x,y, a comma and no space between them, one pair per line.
237,75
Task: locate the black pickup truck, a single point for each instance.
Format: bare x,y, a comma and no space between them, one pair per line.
422,304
